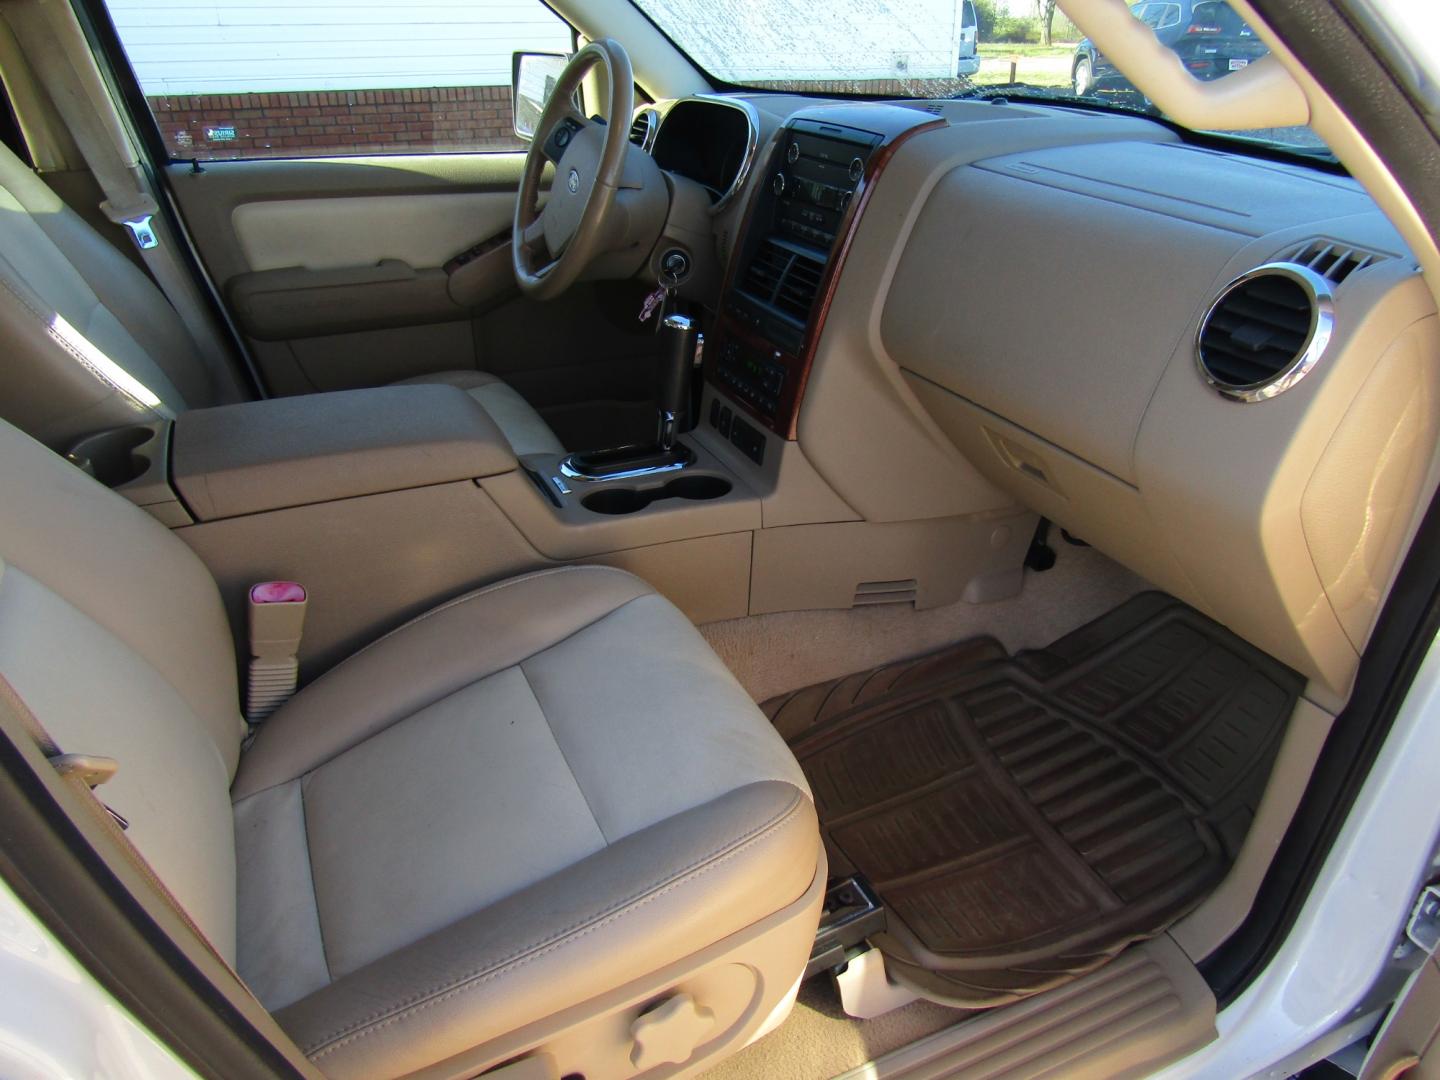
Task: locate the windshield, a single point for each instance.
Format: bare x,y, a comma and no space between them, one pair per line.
952,48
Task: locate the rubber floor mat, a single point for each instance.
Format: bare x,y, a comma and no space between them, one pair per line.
1025,818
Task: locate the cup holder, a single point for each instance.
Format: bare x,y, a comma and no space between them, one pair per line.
623,500
618,501
115,457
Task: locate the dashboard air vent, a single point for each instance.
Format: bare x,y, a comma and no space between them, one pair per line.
766,271
1331,260
798,289
785,278
1264,333
642,129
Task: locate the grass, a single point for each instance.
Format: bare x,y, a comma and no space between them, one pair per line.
1041,65
1001,77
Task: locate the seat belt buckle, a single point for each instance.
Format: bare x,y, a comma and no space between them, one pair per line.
138,217
277,620
142,232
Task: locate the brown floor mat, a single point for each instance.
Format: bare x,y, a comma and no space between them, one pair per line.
1025,818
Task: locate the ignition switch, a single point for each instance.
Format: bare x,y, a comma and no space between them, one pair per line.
675,265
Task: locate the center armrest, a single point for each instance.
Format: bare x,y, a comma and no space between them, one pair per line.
292,451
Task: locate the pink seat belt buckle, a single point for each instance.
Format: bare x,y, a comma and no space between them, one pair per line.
277,620
277,592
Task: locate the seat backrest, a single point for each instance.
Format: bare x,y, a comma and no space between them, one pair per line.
113,633
72,310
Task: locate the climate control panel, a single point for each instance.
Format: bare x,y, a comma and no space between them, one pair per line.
754,375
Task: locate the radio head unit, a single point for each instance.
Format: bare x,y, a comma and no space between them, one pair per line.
810,196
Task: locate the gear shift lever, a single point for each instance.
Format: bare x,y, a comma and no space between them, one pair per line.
678,334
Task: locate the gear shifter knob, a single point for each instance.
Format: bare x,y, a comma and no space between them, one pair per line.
678,354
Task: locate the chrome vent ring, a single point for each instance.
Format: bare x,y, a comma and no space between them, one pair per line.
644,126
1265,331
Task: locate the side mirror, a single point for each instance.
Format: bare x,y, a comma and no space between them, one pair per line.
532,80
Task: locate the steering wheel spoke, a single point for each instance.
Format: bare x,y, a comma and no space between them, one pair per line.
533,235
547,261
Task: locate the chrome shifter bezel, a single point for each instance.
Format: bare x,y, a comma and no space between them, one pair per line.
685,458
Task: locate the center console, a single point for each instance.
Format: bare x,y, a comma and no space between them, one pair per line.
387,501
821,167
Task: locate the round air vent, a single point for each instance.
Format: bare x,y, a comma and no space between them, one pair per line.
642,129
1265,332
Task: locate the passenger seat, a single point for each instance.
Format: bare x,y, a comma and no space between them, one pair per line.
542,816
74,310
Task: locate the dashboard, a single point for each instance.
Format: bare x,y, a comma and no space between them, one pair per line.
1223,371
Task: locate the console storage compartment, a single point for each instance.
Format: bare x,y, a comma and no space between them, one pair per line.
370,498
294,451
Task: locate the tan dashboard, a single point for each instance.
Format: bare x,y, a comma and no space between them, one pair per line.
1011,316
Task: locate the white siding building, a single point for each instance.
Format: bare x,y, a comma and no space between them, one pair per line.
258,46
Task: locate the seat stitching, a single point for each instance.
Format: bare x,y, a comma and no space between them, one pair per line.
314,892
495,587
75,354
459,689
529,953
525,675
426,998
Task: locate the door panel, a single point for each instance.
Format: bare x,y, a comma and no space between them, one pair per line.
211,198
335,269
362,230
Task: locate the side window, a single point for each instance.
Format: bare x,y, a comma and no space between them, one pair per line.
230,79
967,15
1170,16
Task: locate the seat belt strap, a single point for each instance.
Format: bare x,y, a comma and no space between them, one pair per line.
42,27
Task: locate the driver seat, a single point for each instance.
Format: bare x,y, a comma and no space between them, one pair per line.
94,344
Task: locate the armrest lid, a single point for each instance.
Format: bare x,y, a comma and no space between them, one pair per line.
292,451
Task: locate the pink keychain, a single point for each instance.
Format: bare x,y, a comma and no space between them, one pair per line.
652,301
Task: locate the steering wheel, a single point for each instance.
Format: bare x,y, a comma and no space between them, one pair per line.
551,247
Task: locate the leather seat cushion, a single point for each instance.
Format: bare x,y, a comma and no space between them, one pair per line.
513,415
509,805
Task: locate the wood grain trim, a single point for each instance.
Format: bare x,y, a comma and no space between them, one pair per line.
798,365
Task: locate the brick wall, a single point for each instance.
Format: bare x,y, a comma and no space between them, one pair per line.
900,88
319,123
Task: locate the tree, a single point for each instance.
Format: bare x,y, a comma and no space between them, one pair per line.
1047,20
985,18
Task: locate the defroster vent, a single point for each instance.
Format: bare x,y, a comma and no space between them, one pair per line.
1332,260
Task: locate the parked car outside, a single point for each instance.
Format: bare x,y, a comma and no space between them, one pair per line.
969,61
1209,37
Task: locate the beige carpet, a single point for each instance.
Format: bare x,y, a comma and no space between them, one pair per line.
818,1040
773,654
